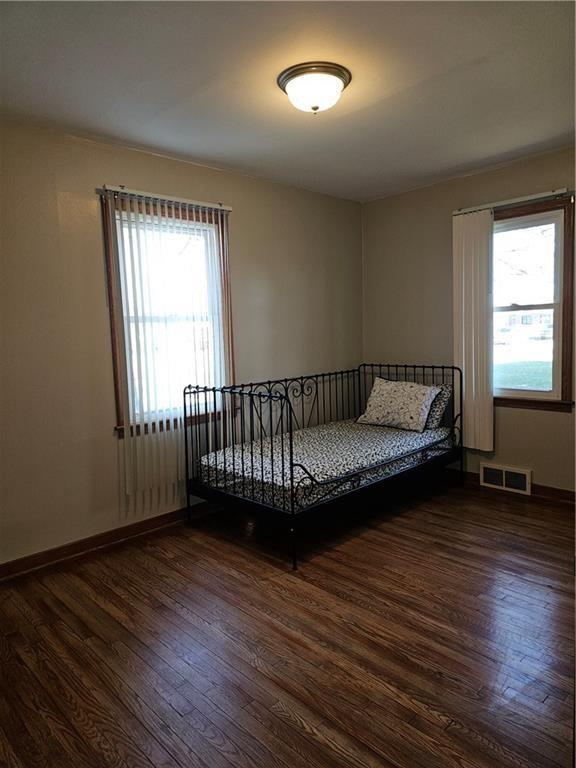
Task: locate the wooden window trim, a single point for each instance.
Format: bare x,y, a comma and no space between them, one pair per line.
564,406
108,251
200,216
168,425
565,403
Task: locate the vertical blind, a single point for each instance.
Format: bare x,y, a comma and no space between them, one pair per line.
170,310
472,257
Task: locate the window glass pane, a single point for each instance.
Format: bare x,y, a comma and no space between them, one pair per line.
523,270
172,312
523,349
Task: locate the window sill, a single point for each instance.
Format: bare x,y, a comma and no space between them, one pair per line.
564,406
166,426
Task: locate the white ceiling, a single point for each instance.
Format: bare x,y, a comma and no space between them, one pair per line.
439,89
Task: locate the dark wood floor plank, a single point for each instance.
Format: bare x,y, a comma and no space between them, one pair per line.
301,651
49,658
19,737
173,727
8,757
99,727
436,633
244,729
323,642
453,627
286,719
197,696
46,724
451,607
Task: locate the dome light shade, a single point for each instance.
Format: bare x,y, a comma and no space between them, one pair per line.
314,86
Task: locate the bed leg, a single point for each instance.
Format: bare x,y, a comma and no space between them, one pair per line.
293,548
188,504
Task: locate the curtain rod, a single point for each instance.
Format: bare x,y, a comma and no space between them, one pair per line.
166,198
501,203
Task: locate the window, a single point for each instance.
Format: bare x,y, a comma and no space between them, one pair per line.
169,305
532,305
171,315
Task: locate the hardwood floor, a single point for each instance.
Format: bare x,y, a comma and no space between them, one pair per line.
438,633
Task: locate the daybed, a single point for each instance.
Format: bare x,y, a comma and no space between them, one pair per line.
293,444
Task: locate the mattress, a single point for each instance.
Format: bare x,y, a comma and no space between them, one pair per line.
331,459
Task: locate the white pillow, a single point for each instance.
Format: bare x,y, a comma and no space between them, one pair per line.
400,404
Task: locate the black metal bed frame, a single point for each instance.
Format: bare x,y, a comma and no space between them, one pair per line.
241,418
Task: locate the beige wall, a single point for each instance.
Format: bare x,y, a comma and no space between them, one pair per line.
296,285
407,313
296,271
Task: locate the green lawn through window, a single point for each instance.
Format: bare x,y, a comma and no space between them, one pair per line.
529,374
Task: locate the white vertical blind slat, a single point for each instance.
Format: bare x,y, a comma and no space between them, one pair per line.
472,260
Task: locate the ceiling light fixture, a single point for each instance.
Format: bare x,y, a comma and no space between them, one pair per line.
314,85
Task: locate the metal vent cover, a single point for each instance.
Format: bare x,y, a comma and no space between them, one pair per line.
512,479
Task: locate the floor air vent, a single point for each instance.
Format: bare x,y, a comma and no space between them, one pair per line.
506,478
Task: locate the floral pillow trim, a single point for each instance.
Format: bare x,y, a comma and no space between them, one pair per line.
399,404
438,407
